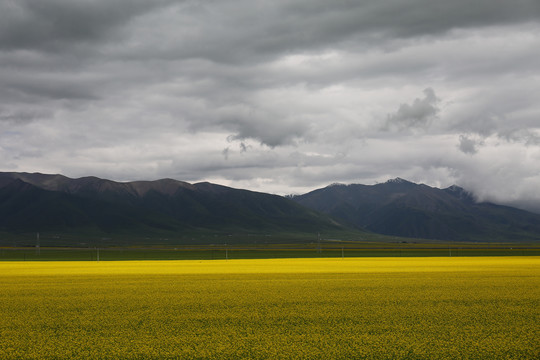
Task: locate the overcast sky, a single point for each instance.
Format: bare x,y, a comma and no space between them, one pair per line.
281,96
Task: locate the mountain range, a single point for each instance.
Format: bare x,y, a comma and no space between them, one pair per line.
32,203
402,208
94,207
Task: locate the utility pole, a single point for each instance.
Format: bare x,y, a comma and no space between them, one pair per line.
38,250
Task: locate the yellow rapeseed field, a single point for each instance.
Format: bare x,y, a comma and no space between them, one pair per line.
357,308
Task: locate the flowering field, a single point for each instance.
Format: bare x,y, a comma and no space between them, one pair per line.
361,308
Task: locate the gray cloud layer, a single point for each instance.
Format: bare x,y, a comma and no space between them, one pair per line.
279,96
419,114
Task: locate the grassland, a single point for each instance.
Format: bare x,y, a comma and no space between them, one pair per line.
325,308
325,249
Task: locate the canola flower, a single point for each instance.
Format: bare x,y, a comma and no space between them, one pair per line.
355,308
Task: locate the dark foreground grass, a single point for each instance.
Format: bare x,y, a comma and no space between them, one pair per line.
260,252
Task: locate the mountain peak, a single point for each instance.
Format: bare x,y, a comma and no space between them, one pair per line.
460,193
397,180
402,208
163,186
335,184
455,188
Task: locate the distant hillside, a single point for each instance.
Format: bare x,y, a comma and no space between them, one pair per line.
55,203
402,208
100,208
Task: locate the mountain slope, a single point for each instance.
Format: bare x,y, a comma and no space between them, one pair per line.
402,208
38,202
27,208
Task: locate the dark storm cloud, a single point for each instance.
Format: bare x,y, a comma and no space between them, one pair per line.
262,127
236,29
417,115
254,31
240,31
526,136
50,24
53,86
468,145
421,17
19,115
315,22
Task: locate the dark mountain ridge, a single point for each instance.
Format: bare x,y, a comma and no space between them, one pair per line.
55,203
402,208
39,202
